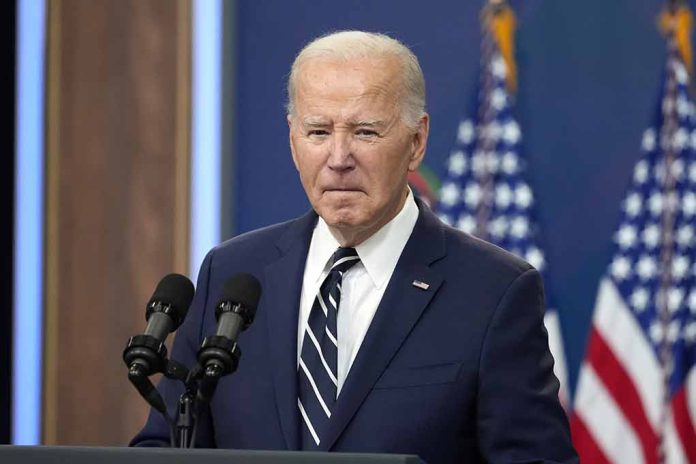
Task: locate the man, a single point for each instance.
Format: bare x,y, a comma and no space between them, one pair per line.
379,329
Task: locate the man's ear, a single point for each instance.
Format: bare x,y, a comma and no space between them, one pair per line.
292,143
419,142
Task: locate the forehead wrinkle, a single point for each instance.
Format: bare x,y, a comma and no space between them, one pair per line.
374,99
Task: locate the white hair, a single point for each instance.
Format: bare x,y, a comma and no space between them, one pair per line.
349,45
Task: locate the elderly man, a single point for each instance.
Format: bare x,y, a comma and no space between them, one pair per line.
380,329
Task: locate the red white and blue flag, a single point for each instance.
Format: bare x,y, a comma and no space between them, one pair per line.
636,396
485,193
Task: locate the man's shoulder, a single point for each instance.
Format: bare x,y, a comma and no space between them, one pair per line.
264,244
465,251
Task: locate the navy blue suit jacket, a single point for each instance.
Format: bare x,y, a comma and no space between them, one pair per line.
460,372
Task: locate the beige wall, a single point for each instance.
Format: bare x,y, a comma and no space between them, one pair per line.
117,148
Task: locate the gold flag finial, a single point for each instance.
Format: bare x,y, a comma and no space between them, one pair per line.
500,20
677,20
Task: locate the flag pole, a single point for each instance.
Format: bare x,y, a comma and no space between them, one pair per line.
675,23
498,27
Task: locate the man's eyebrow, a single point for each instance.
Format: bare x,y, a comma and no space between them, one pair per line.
313,121
369,123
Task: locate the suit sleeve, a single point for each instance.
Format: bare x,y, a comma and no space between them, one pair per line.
184,350
520,418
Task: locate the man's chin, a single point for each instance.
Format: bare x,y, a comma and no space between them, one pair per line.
342,218
341,221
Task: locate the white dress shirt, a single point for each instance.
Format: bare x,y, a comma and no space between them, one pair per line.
363,284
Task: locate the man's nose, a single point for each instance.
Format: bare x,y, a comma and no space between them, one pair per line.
340,152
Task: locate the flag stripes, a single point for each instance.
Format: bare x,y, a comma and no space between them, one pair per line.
634,400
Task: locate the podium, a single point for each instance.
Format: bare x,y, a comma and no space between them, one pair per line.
108,455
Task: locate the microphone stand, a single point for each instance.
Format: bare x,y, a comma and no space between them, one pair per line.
156,362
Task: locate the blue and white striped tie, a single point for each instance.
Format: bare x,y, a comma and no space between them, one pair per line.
317,371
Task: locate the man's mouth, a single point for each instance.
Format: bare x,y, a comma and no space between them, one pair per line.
341,189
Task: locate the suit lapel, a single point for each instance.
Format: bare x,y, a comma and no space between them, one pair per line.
400,308
283,284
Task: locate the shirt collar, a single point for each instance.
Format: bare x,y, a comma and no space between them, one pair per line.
378,254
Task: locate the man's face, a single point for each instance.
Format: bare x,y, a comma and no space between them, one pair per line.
350,145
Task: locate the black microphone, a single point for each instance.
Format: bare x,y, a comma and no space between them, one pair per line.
146,354
219,354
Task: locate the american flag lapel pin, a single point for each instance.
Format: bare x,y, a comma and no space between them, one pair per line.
421,285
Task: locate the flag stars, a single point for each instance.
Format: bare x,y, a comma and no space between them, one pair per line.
679,72
673,331
498,99
498,227
633,204
466,223
646,267
620,268
511,132
465,133
690,332
498,68
478,163
683,106
523,195
680,139
472,195
449,194
677,169
457,163
503,196
675,296
535,257
680,267
640,299
519,227
656,332
688,204
510,163
641,171
651,235
655,203
627,236
648,144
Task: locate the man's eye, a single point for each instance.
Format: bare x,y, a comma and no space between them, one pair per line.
366,133
318,132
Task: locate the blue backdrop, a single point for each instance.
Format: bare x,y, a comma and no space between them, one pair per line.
589,73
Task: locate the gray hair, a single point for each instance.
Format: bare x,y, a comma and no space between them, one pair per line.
348,45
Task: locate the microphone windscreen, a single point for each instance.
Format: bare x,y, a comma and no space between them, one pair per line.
244,289
176,291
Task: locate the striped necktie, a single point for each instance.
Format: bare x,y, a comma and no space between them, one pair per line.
317,384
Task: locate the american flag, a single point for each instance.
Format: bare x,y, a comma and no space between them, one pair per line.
636,395
485,193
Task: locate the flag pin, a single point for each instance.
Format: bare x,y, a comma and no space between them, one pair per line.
421,285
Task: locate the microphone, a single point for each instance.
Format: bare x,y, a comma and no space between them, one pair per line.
146,354
219,354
